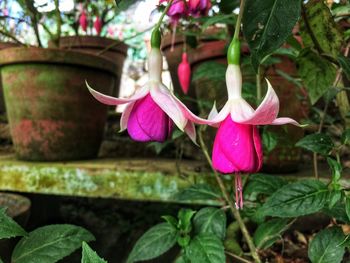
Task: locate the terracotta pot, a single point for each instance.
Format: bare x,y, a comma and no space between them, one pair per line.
94,45
18,208
4,45
52,115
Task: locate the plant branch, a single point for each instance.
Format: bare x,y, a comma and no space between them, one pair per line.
7,34
163,14
228,200
34,21
58,22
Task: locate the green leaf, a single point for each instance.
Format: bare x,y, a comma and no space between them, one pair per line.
8,227
296,199
90,256
223,19
345,138
317,73
334,197
324,30
49,244
206,248
337,211
317,143
345,64
263,184
197,192
210,220
267,24
185,217
336,171
269,232
171,220
269,140
347,207
1,261
210,70
325,246
155,242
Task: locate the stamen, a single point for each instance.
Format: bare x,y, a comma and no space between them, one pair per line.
173,36
239,191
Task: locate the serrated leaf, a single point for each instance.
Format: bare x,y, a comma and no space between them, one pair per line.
345,138
90,256
185,217
336,170
8,227
269,232
345,64
206,248
326,246
171,220
267,24
347,207
323,28
317,73
197,192
263,184
296,199
317,143
49,244
269,140
210,220
155,242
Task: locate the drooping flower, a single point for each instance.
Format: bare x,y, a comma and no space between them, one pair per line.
83,22
199,7
151,112
177,9
237,145
98,25
184,73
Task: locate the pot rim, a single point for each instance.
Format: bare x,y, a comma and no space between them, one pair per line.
92,42
35,55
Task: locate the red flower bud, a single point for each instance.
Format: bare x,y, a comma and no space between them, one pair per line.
184,73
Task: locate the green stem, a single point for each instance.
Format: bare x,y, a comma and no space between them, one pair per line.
239,20
258,85
163,14
234,211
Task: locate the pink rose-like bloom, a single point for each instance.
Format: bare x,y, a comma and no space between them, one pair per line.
199,7
98,25
83,20
184,73
151,112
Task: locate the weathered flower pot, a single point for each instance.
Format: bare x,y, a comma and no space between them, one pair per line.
94,45
4,45
52,115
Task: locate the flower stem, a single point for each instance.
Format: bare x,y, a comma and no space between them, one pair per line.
228,200
239,20
258,86
163,14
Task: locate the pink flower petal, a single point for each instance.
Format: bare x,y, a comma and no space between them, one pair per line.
190,130
169,104
267,112
258,148
241,111
285,120
235,148
148,122
125,116
109,100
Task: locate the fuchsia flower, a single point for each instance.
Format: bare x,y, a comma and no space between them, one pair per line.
237,145
184,73
177,10
152,110
83,20
199,7
98,25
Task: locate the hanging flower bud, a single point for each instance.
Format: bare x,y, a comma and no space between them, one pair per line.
184,73
98,25
83,22
177,10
